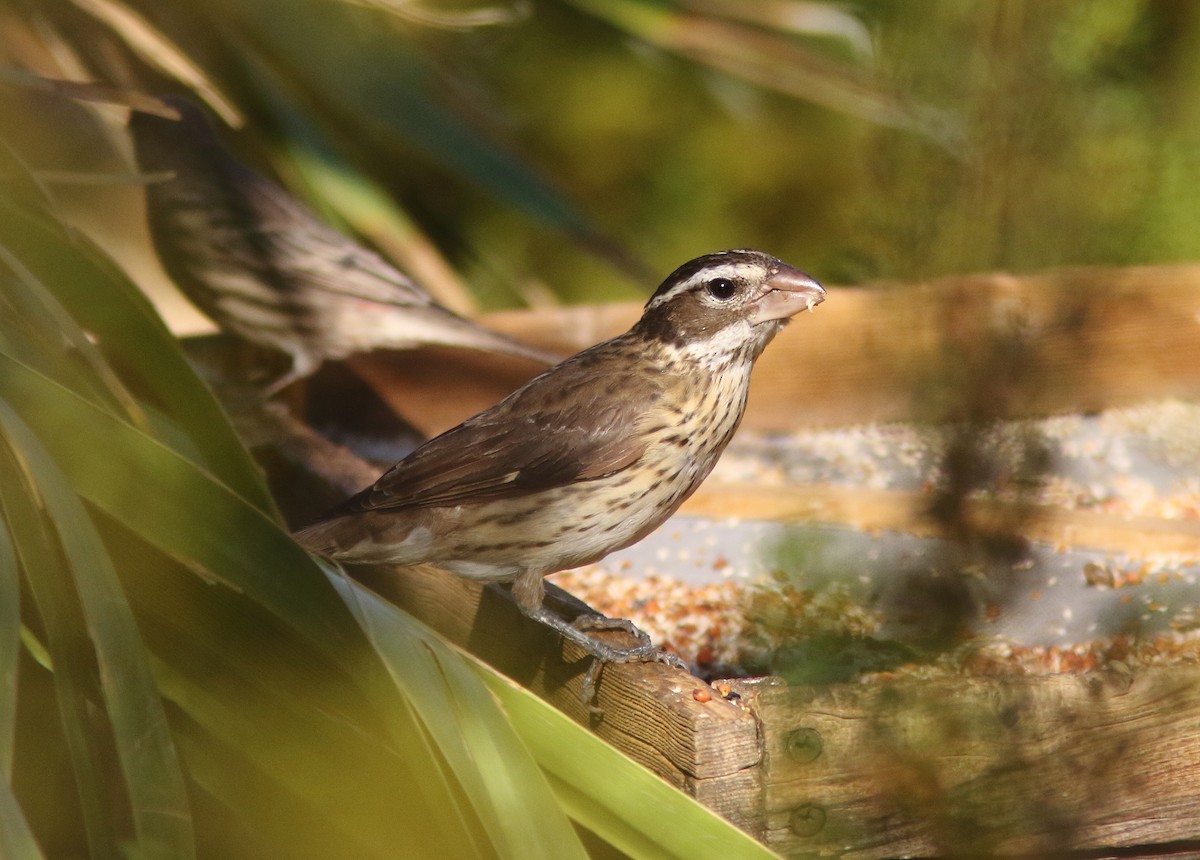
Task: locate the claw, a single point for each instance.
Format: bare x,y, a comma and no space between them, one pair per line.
644,652
588,691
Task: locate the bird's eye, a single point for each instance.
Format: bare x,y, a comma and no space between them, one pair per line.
721,288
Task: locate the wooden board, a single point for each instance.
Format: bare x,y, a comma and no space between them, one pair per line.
1085,339
1024,766
872,510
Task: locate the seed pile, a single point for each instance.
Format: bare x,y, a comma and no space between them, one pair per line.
732,609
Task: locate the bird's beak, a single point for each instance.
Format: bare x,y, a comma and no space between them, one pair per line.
789,291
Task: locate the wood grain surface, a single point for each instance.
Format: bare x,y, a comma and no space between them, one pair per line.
977,766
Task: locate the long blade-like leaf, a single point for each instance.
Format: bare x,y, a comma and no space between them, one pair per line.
126,328
387,88
66,638
193,518
16,839
279,736
10,648
158,50
469,729
44,314
276,728
555,741
141,736
612,795
260,749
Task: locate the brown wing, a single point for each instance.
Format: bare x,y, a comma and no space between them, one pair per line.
572,423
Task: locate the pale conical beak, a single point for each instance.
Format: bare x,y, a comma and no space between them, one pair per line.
789,291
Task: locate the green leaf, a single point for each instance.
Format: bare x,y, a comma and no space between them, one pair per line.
276,721
85,584
10,648
36,310
287,743
237,546
66,638
16,839
606,793
610,794
469,729
386,88
67,273
234,537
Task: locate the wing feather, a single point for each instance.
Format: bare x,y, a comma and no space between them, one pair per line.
564,426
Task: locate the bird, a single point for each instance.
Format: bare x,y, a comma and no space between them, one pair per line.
263,266
588,457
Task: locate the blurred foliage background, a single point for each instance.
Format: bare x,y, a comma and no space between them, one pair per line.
177,678
577,150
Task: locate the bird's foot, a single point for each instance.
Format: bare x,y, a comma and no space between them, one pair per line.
579,631
644,652
603,622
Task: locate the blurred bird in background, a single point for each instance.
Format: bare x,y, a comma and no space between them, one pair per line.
263,266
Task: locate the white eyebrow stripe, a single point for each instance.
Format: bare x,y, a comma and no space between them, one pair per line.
732,271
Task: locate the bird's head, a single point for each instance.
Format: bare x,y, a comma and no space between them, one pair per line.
727,305
166,143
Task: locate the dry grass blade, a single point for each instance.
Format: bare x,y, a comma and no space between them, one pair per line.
467,19
87,91
10,646
160,52
793,16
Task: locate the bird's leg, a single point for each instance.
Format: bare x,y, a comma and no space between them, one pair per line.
528,593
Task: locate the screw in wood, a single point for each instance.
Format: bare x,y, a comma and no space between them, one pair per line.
808,820
804,745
